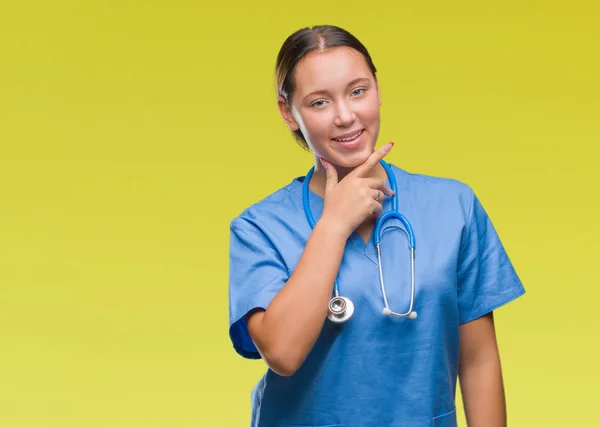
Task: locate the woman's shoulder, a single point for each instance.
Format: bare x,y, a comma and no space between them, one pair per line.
431,187
285,202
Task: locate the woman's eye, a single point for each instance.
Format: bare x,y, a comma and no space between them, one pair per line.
318,103
358,91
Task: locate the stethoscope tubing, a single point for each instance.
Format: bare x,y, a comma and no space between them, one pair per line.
338,303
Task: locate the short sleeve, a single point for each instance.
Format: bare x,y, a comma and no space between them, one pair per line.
487,279
256,274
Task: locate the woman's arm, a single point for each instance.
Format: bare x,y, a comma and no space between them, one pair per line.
285,333
480,374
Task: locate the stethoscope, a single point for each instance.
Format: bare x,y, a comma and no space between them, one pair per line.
342,308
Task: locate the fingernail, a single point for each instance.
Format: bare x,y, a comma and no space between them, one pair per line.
323,162
392,142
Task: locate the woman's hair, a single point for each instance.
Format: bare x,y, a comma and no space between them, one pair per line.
303,41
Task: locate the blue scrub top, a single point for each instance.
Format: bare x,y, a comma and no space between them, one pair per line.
374,370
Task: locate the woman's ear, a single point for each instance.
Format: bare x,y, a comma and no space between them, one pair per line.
286,113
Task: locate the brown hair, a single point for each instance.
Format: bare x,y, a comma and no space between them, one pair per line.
303,41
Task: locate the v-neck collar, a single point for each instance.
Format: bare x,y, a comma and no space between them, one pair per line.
368,248
316,204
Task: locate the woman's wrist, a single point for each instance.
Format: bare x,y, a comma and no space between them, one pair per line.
333,228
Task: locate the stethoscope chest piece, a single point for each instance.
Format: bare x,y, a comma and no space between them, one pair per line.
340,309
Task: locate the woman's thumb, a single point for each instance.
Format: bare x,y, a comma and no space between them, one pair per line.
330,173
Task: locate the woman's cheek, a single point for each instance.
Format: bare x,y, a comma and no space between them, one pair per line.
319,127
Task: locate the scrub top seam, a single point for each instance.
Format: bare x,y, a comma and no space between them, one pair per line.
495,304
235,225
468,223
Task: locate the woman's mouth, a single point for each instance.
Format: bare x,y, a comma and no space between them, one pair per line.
349,137
351,140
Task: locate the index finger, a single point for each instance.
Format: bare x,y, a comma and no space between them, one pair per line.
373,159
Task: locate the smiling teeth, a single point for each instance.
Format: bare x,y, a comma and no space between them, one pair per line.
349,138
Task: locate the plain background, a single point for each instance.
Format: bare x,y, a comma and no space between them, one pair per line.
132,132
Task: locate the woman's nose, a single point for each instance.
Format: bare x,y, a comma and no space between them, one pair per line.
345,115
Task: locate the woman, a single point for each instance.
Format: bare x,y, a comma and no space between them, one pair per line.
376,368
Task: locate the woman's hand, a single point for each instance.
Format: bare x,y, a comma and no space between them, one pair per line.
357,196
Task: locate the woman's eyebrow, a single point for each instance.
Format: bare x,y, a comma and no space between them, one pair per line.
351,83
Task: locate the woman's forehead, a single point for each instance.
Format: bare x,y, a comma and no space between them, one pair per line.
329,69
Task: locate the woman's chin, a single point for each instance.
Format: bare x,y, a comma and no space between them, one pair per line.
351,161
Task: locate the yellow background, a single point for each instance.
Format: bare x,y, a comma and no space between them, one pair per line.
132,132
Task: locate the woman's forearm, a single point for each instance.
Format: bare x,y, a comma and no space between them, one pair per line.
483,395
286,332
480,375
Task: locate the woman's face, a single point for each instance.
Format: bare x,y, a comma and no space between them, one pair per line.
335,104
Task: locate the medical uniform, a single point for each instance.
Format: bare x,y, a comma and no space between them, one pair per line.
373,370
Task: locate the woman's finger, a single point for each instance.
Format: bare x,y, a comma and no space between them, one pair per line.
377,207
378,195
387,191
379,184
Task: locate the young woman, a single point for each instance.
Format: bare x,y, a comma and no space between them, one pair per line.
356,334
